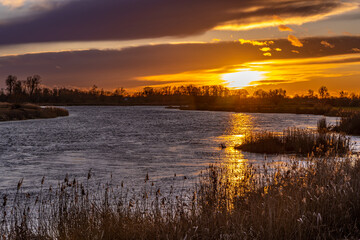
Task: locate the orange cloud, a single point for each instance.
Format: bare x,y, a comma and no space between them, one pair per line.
278,49
284,28
265,49
267,54
356,50
327,44
256,43
295,41
294,51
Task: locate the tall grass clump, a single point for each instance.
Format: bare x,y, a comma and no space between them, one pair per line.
296,141
349,123
322,126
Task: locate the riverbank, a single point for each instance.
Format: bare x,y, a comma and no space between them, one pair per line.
24,111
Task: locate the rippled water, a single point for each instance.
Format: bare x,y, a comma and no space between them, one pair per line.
128,143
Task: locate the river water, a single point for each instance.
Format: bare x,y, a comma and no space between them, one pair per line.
129,142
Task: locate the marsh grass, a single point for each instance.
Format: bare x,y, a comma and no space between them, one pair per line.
15,111
349,123
316,200
322,126
296,141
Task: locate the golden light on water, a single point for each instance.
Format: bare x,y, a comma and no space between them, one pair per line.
240,125
236,163
243,78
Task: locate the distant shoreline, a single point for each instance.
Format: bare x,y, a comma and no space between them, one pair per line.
26,111
326,110
332,112
281,109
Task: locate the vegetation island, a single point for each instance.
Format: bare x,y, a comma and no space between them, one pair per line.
15,105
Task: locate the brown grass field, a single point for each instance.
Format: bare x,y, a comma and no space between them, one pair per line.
12,111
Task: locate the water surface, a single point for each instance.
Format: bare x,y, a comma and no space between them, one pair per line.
129,142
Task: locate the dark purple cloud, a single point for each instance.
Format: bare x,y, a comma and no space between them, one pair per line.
112,68
135,19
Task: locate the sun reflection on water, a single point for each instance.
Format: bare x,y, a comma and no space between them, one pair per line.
240,124
236,162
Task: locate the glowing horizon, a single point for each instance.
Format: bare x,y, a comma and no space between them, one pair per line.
248,44
243,78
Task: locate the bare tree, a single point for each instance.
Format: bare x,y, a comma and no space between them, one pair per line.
32,83
10,83
323,92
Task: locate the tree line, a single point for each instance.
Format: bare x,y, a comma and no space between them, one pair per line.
31,90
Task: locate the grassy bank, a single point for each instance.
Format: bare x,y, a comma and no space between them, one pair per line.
12,111
296,141
319,200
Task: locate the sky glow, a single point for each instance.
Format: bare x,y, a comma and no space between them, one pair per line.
121,43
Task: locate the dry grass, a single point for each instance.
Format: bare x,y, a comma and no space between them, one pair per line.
349,123
296,141
25,111
319,200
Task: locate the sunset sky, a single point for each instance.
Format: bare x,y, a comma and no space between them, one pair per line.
292,44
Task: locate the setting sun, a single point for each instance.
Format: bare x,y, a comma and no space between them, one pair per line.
243,78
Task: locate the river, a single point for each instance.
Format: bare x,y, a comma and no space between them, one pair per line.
129,142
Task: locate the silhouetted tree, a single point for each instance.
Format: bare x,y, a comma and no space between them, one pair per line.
148,91
94,90
18,88
343,94
119,92
32,83
277,95
323,92
310,93
10,83
260,93
243,93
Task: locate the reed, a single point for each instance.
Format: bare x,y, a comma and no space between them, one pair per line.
296,141
316,200
349,123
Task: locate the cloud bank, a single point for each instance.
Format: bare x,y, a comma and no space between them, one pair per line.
115,68
91,20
